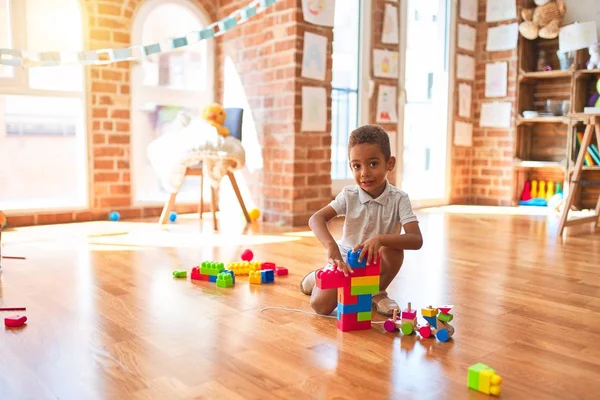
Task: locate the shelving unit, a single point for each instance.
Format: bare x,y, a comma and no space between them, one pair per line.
546,145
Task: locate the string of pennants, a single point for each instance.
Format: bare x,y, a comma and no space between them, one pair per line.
27,59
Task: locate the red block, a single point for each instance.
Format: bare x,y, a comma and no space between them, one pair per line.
368,271
281,271
196,275
267,265
344,296
15,321
348,322
331,279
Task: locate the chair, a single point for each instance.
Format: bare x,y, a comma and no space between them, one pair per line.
234,123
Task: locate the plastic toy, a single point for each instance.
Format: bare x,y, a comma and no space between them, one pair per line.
15,321
543,20
484,379
244,267
355,292
247,255
215,115
437,324
114,216
180,273
268,265
267,276
254,214
280,271
255,277
207,271
172,216
225,279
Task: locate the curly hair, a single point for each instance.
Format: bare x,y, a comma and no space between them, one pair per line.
373,134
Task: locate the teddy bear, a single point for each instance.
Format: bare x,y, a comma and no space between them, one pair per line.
594,62
544,20
215,115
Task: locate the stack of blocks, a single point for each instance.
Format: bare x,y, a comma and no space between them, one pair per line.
355,292
214,272
484,379
438,324
263,276
244,267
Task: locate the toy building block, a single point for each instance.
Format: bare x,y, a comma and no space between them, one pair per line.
345,297
331,279
353,260
211,268
445,317
267,275
232,275
196,275
371,289
247,255
429,311
362,305
364,316
408,322
255,277
15,321
364,280
484,379
280,271
180,273
239,268
267,265
224,280
350,322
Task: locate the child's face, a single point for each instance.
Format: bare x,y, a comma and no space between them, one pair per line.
370,168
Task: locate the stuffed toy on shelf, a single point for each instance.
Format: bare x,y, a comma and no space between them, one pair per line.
215,115
544,20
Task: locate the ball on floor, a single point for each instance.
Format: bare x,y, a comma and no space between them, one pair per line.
254,214
172,216
114,216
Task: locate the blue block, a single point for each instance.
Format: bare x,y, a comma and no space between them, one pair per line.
363,304
230,272
353,260
212,278
267,276
432,321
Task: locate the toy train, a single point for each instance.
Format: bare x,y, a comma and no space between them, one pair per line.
437,322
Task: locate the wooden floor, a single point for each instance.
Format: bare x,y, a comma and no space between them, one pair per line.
108,321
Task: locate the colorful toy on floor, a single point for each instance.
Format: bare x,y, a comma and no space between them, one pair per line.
225,279
281,271
484,379
114,216
355,292
539,193
172,216
437,324
15,321
207,271
244,267
180,273
254,214
247,255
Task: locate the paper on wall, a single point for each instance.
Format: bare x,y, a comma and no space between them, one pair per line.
463,134
500,10
385,63
466,37
495,115
502,37
319,12
386,104
390,25
496,76
468,10
465,67
314,109
577,36
465,93
314,62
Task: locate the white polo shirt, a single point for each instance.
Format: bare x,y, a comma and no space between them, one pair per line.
367,217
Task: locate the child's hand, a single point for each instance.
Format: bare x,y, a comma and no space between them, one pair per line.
371,247
334,257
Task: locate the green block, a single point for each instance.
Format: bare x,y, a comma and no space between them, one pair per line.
180,273
356,290
224,280
407,328
211,268
445,317
473,375
363,316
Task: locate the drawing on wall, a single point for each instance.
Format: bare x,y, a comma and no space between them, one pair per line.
465,67
502,37
314,60
314,109
496,77
319,12
386,104
500,10
390,25
385,63
463,134
466,37
468,10
464,100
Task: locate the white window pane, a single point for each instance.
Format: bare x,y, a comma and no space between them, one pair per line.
5,36
54,26
185,69
42,153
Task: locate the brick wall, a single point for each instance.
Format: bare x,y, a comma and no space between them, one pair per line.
483,174
265,57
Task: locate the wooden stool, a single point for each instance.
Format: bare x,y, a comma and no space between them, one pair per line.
592,122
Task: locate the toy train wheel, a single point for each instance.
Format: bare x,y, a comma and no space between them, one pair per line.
407,328
425,331
389,325
442,335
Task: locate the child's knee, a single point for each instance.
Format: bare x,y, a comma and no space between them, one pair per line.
322,306
392,257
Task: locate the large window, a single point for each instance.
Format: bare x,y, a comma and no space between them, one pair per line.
165,84
345,94
42,130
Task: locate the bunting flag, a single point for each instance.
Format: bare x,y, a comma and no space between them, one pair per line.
27,59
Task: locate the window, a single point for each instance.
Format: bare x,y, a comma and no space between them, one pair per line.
163,85
43,156
345,85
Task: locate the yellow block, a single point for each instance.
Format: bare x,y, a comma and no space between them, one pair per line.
489,382
429,311
365,281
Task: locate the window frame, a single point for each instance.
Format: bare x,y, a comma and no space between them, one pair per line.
18,85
